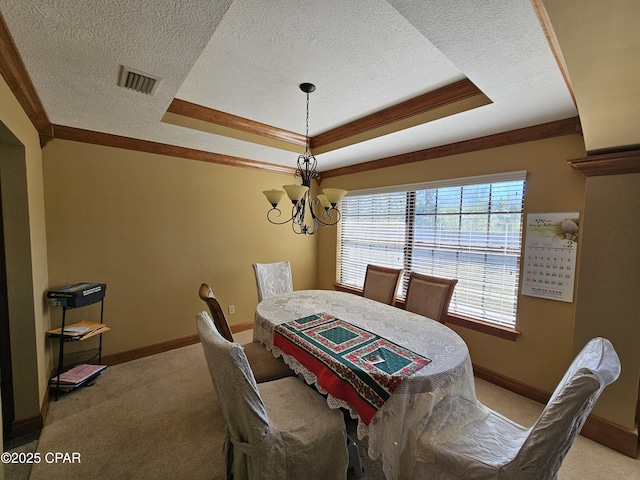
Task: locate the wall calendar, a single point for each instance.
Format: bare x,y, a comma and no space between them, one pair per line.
550,250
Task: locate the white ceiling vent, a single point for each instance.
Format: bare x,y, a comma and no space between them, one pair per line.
138,81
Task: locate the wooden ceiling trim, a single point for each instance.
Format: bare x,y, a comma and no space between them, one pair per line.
547,27
15,74
449,94
205,114
615,163
567,126
117,141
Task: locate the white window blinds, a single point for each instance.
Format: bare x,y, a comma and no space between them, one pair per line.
469,229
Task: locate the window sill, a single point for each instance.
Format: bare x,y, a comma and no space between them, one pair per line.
453,319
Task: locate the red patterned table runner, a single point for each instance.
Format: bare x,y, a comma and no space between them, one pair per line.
350,363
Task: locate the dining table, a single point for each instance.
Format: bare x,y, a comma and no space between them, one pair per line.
384,365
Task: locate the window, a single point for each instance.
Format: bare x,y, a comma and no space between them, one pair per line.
469,229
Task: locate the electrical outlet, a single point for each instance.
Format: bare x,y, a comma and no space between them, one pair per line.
232,309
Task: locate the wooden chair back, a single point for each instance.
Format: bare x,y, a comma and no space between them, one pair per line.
219,319
381,283
429,296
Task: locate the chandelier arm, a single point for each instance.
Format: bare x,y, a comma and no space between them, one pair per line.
326,213
269,217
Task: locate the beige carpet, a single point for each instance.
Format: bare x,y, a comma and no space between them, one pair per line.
157,418
147,419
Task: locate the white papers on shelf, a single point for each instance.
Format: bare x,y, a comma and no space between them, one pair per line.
76,330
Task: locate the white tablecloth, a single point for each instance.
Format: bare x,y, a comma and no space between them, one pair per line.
393,432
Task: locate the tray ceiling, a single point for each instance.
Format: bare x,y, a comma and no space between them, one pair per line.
376,64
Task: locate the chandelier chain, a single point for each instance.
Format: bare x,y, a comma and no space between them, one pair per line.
306,133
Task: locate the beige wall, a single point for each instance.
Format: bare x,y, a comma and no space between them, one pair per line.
608,295
25,243
548,343
153,228
600,44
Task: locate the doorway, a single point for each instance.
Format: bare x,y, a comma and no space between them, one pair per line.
6,375
18,339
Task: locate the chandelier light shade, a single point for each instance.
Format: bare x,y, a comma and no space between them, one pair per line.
306,212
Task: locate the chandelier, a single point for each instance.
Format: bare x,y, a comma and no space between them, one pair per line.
299,194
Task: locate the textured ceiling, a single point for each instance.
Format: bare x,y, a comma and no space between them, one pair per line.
247,57
359,59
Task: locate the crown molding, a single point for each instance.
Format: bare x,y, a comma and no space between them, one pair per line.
15,74
614,163
447,95
463,93
227,120
117,141
568,126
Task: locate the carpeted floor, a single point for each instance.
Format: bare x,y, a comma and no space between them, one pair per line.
157,418
150,418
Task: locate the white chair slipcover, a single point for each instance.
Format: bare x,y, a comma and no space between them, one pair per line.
280,430
264,365
273,279
498,449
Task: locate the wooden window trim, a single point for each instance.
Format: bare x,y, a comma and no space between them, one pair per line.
454,319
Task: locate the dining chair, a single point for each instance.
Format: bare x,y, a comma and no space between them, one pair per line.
429,296
495,447
381,283
264,365
273,279
281,429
